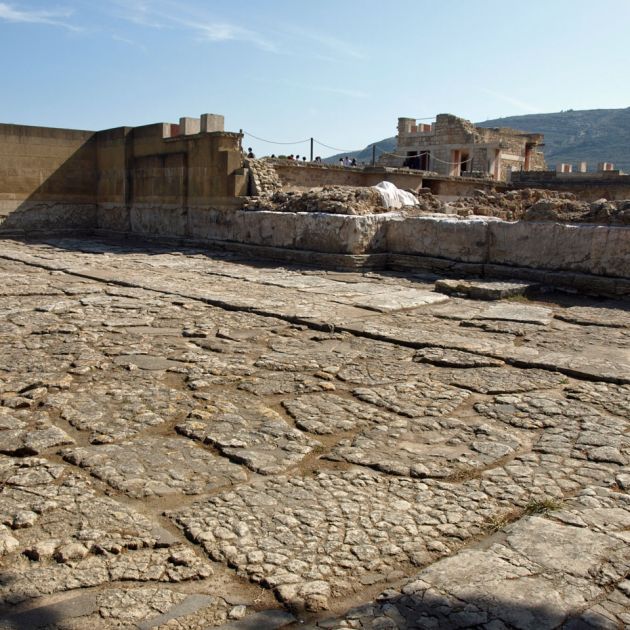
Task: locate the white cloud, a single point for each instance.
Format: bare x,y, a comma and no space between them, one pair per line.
9,13
165,14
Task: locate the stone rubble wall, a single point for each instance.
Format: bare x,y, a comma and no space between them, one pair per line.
264,180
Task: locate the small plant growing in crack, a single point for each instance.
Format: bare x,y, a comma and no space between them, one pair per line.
542,506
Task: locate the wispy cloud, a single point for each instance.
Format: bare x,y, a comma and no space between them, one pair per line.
10,13
169,15
522,105
224,32
130,42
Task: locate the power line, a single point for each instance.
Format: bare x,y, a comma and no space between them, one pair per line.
251,135
334,148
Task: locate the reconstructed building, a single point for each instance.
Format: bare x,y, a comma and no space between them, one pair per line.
455,147
122,179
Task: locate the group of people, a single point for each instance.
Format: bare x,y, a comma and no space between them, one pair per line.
343,161
346,161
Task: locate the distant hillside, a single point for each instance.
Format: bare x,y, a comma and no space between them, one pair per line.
590,135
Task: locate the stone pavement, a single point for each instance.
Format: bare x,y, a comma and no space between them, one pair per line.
191,440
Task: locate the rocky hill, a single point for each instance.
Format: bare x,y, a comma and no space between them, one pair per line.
591,135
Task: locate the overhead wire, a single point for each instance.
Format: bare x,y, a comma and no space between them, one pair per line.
251,135
374,145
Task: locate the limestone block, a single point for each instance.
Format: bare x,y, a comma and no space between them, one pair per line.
457,239
595,249
189,126
158,220
212,122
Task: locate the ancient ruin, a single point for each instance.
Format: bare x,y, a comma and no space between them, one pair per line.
254,394
454,146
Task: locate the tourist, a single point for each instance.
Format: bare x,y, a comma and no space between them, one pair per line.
250,153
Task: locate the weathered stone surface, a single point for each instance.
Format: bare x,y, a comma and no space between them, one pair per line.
315,537
253,435
545,574
482,290
493,380
429,447
156,466
500,444
414,400
445,357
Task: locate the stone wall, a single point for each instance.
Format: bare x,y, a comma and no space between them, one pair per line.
306,176
311,175
64,179
47,179
144,169
586,186
586,257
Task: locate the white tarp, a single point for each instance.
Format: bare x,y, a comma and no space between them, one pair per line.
394,197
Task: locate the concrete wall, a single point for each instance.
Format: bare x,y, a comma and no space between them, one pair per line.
47,178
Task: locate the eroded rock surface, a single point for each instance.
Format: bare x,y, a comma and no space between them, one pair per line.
190,440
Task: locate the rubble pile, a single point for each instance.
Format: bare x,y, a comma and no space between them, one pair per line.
356,200
330,199
531,204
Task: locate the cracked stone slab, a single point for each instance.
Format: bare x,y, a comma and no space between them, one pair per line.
591,316
28,434
399,300
491,380
612,398
66,536
142,608
543,574
249,433
483,289
429,447
157,466
414,399
445,357
275,384
326,413
315,538
117,409
514,312
146,362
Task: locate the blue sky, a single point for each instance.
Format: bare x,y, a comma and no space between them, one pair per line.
341,71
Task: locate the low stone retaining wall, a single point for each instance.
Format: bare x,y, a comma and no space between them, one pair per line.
584,257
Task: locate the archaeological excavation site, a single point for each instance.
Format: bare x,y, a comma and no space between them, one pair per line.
267,393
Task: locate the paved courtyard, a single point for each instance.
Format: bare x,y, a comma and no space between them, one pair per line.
191,440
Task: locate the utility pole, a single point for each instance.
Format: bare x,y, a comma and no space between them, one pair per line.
373,155
311,149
